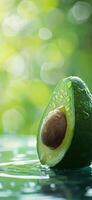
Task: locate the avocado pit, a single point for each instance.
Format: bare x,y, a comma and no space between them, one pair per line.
53,129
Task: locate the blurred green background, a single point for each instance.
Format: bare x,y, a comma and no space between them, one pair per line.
40,43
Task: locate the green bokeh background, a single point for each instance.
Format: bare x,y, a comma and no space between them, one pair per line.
40,43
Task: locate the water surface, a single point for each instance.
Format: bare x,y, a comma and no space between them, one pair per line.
22,177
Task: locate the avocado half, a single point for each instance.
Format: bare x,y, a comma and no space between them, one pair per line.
73,100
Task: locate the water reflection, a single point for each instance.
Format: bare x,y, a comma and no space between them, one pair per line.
68,184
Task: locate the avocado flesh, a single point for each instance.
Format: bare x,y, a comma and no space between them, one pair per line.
73,98
62,98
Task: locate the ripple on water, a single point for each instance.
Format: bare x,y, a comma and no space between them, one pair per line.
20,162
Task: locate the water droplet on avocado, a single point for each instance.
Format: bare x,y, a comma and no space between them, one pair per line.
53,105
56,97
81,89
68,99
86,115
67,108
69,84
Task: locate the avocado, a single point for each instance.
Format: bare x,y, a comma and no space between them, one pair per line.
64,139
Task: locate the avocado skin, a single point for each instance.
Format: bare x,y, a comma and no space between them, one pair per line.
79,153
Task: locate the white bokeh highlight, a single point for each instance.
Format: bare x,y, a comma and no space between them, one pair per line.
51,72
45,33
12,120
17,66
81,11
12,24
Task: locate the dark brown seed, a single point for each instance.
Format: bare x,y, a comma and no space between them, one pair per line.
53,129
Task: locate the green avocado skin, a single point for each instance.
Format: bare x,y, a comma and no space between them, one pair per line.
79,153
